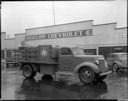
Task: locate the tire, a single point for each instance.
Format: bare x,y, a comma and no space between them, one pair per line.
115,67
101,78
86,75
28,72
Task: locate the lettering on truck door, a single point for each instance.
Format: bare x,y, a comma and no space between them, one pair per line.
65,60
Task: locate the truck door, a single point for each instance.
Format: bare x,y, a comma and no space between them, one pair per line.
65,59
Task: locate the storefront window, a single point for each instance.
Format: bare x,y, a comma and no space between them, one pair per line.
2,54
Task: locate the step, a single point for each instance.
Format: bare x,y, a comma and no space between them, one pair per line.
64,73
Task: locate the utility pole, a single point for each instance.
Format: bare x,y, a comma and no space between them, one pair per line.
53,13
53,18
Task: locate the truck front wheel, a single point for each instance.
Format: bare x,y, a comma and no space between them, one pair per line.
115,67
86,75
28,71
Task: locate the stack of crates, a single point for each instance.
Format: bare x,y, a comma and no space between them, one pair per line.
22,52
36,54
10,57
39,54
44,53
29,54
16,55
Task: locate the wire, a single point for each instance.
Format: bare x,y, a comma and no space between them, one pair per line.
53,13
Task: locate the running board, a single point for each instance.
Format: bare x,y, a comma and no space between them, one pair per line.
64,73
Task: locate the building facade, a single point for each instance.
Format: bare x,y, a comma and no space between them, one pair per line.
95,39
8,45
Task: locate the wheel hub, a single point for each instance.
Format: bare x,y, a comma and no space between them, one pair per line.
115,68
27,72
87,75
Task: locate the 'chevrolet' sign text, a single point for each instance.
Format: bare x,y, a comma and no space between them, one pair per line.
87,32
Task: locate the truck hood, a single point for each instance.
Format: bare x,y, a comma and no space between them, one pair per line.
90,56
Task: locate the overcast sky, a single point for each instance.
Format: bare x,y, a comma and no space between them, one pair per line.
18,16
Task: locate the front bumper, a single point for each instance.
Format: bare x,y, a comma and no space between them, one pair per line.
105,73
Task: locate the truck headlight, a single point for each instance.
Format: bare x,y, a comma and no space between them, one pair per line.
97,62
106,65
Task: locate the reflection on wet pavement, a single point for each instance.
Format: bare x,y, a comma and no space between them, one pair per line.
15,86
47,89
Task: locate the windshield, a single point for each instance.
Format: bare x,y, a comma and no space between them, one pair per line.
78,51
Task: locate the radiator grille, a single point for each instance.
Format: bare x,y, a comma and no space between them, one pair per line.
102,65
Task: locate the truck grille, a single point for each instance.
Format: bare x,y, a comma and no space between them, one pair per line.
102,65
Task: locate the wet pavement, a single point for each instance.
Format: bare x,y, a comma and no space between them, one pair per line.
16,87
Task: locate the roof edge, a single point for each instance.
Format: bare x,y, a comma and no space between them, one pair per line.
105,24
3,32
19,33
121,28
10,38
60,24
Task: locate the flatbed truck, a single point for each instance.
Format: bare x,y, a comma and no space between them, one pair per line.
50,60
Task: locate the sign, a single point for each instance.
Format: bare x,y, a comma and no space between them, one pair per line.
69,34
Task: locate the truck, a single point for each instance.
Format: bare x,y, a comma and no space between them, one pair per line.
50,60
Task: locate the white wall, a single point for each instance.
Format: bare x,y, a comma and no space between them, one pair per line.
18,39
104,34
10,43
121,36
60,28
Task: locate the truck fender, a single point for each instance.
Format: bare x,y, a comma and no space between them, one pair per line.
87,64
117,62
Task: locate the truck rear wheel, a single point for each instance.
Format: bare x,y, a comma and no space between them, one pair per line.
28,71
86,75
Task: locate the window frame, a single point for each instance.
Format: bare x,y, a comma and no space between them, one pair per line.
67,54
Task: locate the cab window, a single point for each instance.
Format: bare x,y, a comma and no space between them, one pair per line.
66,51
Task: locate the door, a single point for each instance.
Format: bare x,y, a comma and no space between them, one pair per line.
65,60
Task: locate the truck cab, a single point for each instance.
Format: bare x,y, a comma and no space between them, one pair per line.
89,67
67,60
70,57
